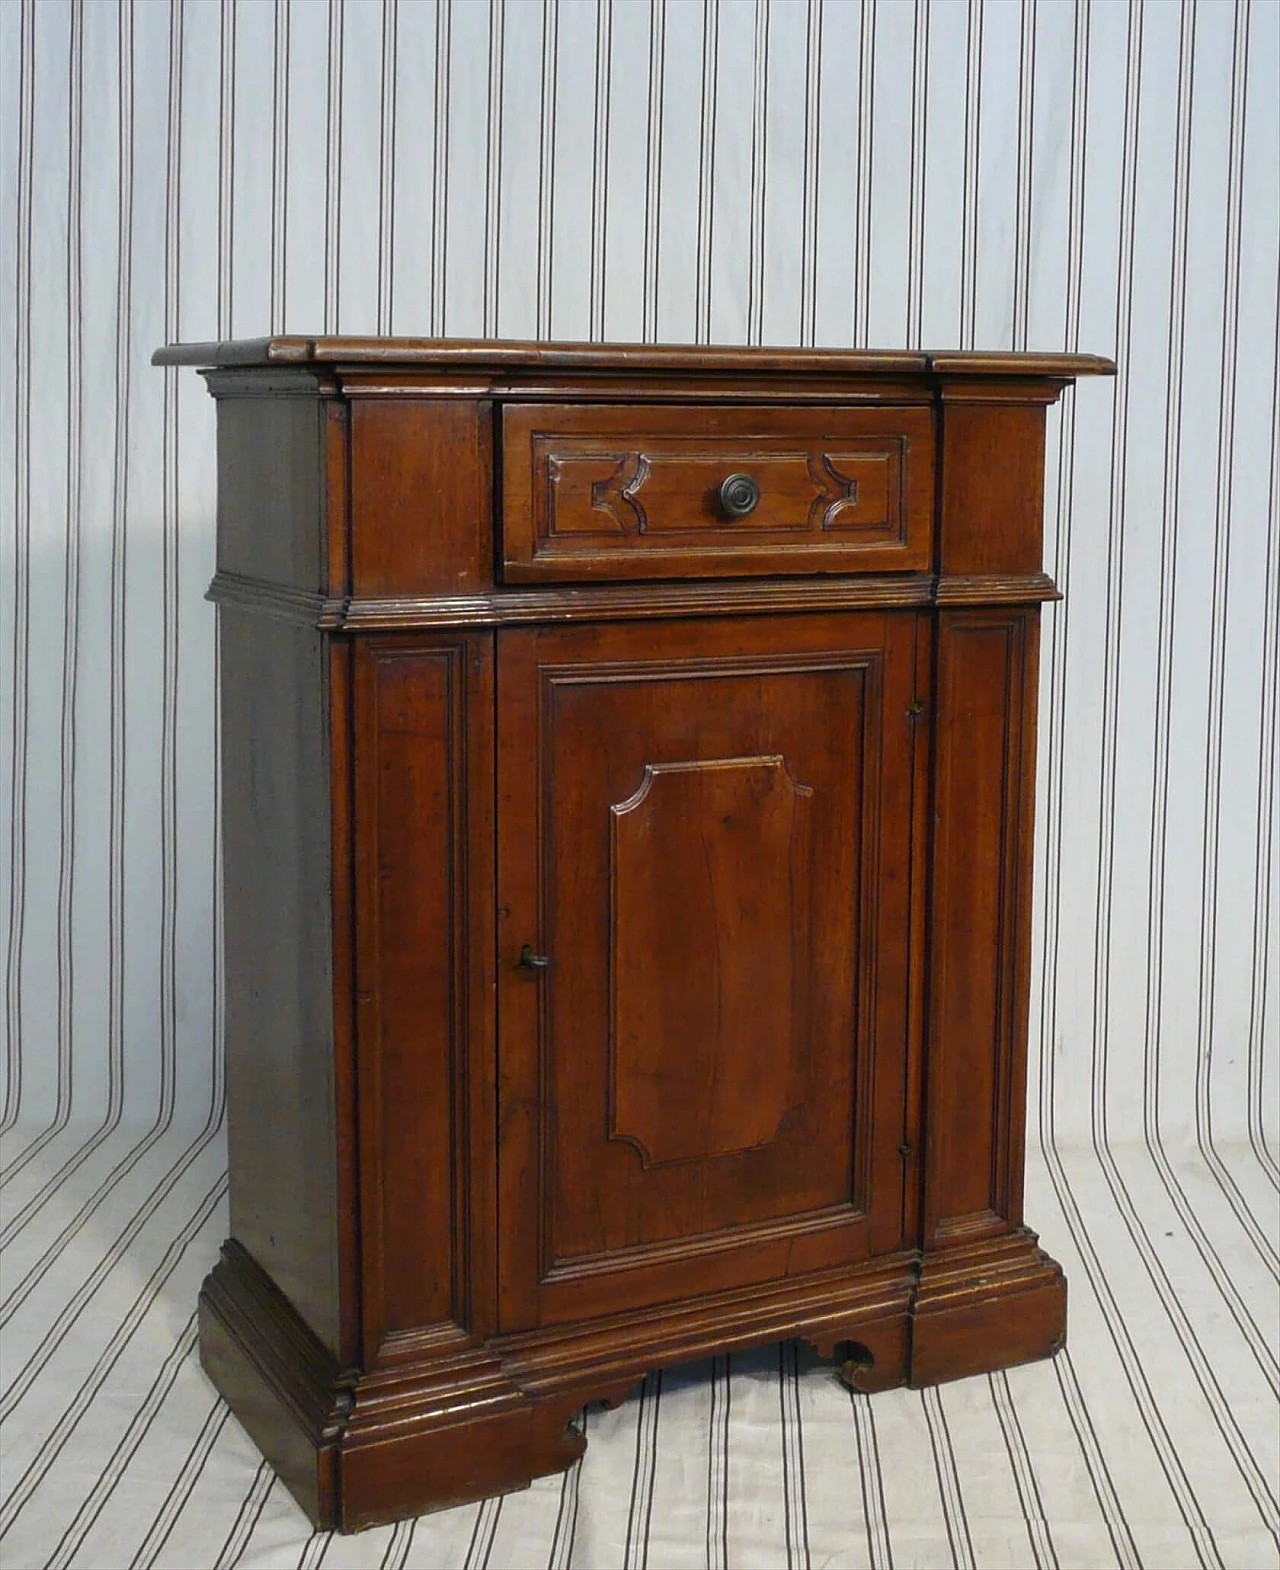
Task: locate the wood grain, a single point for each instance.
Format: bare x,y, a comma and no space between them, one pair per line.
980,920
424,716
710,884
625,491
420,484
585,712
992,504
631,602
689,358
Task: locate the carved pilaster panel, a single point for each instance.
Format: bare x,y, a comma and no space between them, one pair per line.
984,761
424,990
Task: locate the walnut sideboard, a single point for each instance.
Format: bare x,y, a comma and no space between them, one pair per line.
628,762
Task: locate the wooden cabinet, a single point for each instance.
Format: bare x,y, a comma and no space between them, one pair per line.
628,788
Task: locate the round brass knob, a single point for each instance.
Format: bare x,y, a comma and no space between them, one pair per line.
739,495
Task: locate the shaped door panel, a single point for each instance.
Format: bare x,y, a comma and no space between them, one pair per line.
706,831
709,879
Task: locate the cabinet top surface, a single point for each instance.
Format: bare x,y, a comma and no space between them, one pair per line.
509,354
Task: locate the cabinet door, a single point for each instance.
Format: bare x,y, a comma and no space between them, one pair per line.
705,831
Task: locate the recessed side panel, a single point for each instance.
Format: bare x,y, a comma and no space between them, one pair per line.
272,492
980,920
276,827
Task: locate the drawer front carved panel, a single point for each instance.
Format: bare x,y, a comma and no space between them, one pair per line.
710,884
623,493
675,490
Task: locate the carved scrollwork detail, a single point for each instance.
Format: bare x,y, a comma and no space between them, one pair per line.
836,491
617,495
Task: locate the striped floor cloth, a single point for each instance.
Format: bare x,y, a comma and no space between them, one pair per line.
1153,1440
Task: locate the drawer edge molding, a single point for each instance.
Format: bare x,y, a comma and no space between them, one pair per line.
632,601
627,601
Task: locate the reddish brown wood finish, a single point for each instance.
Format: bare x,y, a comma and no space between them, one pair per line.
616,972
420,486
992,487
710,883
586,360
809,1174
425,975
629,491
980,921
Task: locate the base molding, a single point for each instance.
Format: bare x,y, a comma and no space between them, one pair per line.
988,1306
360,1448
277,1376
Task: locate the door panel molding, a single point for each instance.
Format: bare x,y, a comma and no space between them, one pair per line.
615,773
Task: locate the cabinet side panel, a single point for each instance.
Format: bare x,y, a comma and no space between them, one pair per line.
278,949
272,518
980,922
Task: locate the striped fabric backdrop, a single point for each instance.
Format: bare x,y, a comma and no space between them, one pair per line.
1101,175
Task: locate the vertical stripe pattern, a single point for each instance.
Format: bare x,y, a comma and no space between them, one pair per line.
1022,175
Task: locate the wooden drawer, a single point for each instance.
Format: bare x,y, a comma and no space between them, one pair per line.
639,492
